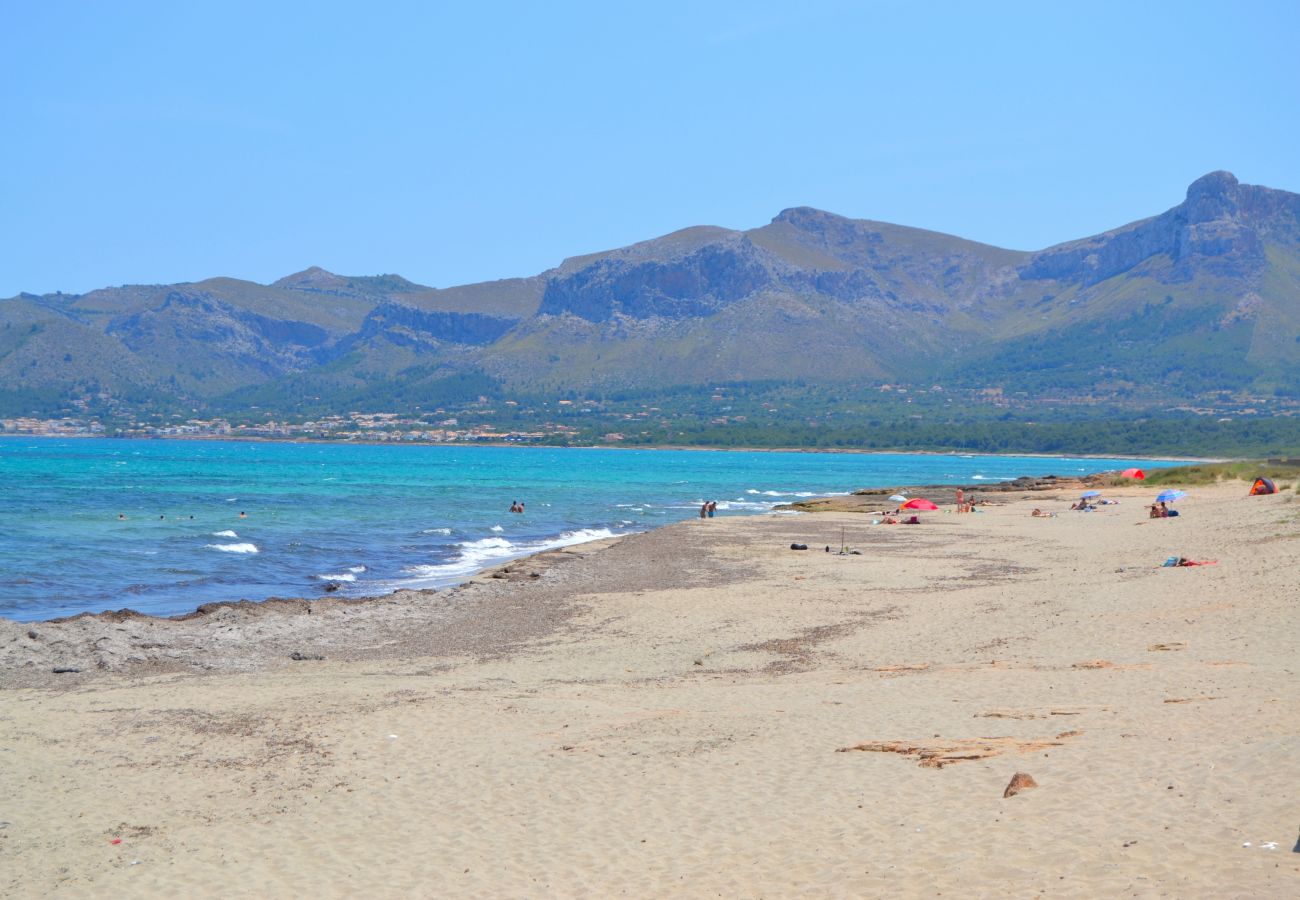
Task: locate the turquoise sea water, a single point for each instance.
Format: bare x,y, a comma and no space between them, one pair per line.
371,518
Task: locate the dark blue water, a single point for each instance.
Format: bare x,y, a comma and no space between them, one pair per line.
371,518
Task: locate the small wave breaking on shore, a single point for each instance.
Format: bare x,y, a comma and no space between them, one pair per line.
473,556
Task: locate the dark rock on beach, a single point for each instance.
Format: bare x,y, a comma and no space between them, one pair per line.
1020,781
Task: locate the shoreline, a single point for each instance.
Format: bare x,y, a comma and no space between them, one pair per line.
832,503
247,635
853,503
234,439
654,716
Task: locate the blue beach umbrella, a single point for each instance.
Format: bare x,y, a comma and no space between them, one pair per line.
1087,494
1170,496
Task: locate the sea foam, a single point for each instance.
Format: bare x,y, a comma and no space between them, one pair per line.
234,548
476,555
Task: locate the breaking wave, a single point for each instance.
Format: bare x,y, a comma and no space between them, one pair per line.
473,556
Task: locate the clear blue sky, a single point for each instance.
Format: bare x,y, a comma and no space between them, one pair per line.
461,142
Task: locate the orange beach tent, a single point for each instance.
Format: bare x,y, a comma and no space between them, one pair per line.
1133,473
1262,486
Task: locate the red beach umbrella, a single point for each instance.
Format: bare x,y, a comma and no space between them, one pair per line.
1133,473
919,503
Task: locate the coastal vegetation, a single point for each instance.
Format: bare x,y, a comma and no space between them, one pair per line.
757,415
1240,470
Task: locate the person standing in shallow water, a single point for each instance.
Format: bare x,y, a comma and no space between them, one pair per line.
704,509
713,507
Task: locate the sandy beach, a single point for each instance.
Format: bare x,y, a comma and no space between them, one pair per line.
697,711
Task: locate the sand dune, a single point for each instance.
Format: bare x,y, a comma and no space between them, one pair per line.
662,716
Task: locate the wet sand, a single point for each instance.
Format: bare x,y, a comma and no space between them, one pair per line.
697,711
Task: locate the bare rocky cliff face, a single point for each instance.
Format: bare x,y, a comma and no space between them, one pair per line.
810,296
804,252
416,327
1222,226
698,283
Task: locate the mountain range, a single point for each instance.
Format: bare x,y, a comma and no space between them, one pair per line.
1202,298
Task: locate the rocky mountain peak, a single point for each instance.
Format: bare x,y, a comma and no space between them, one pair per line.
805,218
1212,196
311,277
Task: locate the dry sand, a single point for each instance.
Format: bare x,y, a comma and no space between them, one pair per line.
662,715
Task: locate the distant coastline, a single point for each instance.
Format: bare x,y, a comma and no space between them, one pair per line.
247,439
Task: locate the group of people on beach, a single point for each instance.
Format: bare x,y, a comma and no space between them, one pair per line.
708,508
1085,506
1157,510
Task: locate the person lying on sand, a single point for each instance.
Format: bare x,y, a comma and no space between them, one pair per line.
1039,514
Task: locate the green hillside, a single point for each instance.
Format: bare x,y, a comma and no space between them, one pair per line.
1196,307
